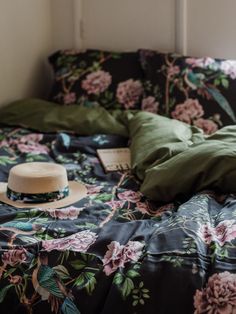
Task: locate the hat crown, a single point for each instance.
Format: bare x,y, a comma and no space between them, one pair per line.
37,177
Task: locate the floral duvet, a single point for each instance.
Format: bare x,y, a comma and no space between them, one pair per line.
114,251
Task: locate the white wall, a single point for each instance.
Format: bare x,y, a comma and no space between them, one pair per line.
211,27
31,29
25,42
63,28
194,27
128,24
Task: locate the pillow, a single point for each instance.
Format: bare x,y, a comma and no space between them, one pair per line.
97,78
197,91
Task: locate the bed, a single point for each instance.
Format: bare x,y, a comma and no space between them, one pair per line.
157,239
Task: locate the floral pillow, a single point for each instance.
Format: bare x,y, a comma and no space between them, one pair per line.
197,91
97,78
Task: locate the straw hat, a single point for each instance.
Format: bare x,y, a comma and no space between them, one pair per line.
40,184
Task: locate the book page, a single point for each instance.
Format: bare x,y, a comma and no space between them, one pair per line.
115,159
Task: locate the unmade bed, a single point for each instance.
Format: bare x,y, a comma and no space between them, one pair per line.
159,238
116,250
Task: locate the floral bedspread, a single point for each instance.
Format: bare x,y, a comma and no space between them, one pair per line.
114,251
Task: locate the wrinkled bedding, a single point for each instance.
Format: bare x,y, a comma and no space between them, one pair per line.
121,249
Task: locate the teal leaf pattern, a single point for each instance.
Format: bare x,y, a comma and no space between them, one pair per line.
68,307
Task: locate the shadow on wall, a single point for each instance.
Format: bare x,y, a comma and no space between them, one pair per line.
35,83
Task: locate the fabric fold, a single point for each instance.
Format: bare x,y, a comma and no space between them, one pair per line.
171,158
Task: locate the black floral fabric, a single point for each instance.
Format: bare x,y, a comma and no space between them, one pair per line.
114,251
198,91
97,78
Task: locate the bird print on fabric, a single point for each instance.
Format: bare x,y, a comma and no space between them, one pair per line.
198,80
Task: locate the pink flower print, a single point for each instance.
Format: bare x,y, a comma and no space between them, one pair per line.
33,148
229,68
188,111
31,138
219,296
200,62
194,62
78,242
96,82
117,255
172,71
128,93
225,231
142,207
14,257
30,144
71,213
113,258
130,196
69,98
150,104
206,233
4,143
208,62
115,204
208,126
133,251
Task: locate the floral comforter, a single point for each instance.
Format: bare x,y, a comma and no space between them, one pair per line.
114,251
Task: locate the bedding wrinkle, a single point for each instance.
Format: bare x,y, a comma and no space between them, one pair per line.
152,240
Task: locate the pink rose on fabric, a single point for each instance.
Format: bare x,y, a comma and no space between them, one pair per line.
69,98
33,148
113,258
14,257
128,93
31,138
142,207
117,255
188,111
115,204
229,68
132,251
78,242
4,143
205,232
208,126
130,196
30,144
225,231
200,62
96,82
219,296
173,70
71,212
150,104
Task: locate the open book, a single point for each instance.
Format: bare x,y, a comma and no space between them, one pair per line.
115,159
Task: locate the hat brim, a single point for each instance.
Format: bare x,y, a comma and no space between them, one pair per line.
77,192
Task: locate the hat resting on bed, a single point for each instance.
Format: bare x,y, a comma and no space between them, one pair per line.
40,184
